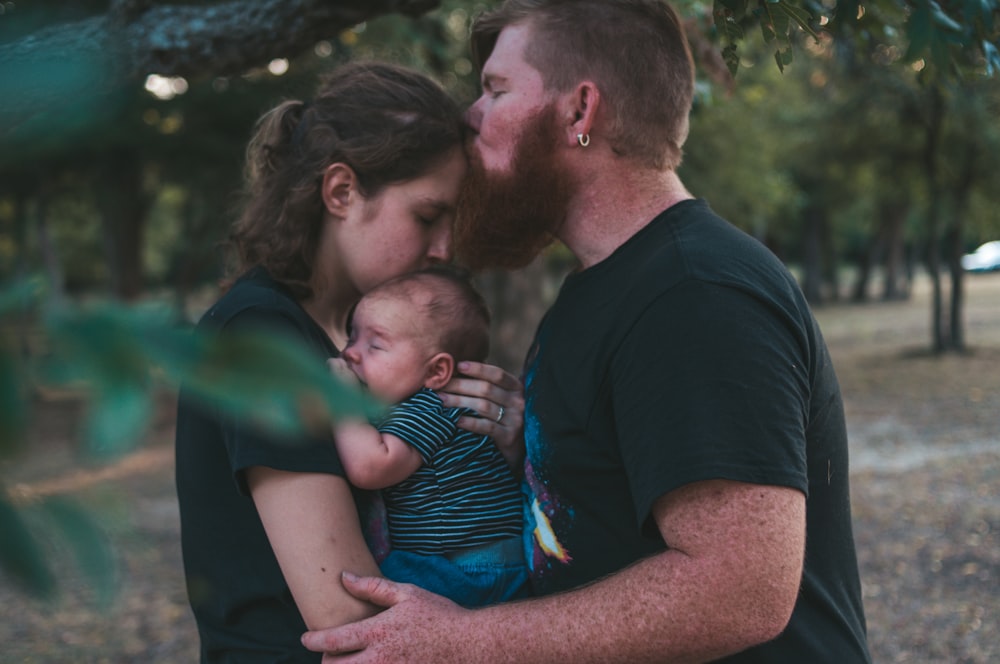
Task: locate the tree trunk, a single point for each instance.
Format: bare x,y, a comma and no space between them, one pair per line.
50,255
896,284
956,338
961,192
871,256
812,256
935,120
203,222
123,205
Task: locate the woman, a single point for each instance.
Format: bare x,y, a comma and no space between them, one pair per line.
344,192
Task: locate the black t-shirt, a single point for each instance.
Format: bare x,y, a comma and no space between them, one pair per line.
243,607
688,354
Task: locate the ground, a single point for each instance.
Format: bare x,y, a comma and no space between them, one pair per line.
925,454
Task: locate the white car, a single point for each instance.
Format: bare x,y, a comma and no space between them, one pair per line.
984,259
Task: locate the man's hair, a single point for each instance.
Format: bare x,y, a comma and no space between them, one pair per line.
634,50
388,123
454,312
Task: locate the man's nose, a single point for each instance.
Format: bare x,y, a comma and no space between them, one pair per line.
474,117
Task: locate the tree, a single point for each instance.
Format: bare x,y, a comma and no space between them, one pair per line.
87,61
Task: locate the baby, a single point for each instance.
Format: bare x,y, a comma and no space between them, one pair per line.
454,507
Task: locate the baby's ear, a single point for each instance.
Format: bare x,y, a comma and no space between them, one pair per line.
439,371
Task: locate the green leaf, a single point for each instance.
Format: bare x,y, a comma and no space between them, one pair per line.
89,543
21,295
783,57
117,417
918,31
942,20
737,9
20,556
265,377
731,58
116,352
992,57
801,17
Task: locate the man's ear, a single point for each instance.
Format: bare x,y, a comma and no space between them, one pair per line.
340,184
580,109
439,371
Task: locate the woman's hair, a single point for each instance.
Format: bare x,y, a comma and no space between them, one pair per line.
453,311
388,123
634,50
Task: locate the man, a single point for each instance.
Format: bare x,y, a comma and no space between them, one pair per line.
686,446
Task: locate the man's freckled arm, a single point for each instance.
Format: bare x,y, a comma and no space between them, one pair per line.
728,582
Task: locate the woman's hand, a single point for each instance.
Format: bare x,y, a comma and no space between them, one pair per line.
498,397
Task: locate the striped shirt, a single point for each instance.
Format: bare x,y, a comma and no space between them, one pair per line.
463,496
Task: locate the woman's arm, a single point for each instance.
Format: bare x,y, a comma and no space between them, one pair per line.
487,389
312,525
372,459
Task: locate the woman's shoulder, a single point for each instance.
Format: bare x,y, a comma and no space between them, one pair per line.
255,296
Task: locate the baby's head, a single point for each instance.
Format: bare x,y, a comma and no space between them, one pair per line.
409,332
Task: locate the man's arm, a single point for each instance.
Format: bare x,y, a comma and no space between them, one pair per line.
372,459
728,581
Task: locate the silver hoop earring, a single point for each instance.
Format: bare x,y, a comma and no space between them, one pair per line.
583,140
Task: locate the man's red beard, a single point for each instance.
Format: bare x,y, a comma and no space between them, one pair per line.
505,220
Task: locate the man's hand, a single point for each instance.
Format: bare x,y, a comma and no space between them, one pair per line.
417,626
498,398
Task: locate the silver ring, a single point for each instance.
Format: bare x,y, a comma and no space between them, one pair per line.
500,416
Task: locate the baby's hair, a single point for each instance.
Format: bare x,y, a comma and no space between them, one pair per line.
455,310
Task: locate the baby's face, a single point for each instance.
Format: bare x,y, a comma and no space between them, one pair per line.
388,349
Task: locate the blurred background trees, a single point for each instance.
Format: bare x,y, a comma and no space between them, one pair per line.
870,146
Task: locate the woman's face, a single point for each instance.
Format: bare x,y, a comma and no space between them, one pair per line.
405,227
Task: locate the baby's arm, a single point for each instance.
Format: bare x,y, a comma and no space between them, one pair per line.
373,460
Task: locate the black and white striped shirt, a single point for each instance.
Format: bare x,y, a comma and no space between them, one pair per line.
464,495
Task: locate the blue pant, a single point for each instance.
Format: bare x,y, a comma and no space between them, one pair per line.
469,577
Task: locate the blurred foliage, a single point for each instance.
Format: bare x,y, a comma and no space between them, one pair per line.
119,357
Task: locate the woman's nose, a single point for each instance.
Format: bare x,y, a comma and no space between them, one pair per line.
439,250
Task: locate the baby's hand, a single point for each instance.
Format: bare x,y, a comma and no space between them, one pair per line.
338,367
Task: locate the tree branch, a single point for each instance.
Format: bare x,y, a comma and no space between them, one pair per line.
67,63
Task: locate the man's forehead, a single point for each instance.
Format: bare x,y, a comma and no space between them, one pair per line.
509,49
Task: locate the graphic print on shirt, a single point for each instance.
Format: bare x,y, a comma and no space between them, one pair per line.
547,515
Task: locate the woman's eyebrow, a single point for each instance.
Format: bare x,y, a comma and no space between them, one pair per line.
436,203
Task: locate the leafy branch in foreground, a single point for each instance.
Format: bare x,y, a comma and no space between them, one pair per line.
119,357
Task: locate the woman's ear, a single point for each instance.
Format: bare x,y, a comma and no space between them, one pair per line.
340,185
439,371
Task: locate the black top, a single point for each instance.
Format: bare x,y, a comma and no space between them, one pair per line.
689,354
244,610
